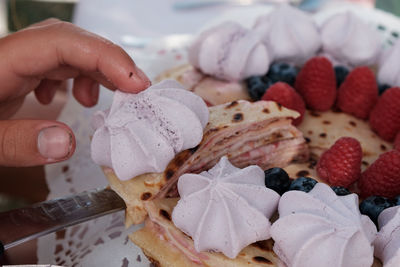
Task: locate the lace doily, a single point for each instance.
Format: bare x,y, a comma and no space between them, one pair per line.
104,241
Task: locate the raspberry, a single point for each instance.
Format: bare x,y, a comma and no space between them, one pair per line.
358,93
385,116
382,177
340,165
396,144
316,82
285,95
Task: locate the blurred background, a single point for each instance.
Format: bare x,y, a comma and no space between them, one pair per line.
24,186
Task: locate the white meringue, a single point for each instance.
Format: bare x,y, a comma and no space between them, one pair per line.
320,228
142,132
387,243
229,52
389,67
290,34
226,208
350,40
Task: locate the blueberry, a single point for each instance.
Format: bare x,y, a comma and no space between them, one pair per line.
305,184
277,179
257,85
340,191
396,201
282,72
383,87
341,73
374,205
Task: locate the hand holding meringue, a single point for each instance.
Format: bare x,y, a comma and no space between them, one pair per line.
320,228
229,52
143,132
225,208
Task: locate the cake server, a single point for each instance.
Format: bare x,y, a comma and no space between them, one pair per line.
24,224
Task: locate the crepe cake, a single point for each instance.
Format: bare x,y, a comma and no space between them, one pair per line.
322,129
248,133
213,91
166,246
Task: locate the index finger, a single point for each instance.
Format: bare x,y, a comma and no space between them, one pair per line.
47,46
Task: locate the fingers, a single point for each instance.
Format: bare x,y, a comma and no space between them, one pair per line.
34,142
47,46
86,91
46,90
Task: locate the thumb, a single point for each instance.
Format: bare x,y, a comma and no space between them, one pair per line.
34,142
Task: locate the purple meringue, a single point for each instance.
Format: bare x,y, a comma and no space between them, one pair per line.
143,132
225,208
320,228
387,243
290,34
389,68
350,40
229,52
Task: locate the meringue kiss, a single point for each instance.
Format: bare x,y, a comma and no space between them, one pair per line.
143,132
225,208
320,228
229,52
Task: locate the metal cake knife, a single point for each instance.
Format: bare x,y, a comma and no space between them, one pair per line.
24,224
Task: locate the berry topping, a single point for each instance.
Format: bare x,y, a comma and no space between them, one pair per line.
385,116
285,95
341,73
257,85
340,165
382,88
282,72
316,82
277,179
358,93
305,184
382,177
373,206
341,191
396,144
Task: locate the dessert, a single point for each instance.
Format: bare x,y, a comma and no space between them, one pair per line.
388,72
229,52
225,208
290,34
247,133
262,133
319,228
387,244
350,41
141,133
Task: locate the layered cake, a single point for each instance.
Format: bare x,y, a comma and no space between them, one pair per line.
275,146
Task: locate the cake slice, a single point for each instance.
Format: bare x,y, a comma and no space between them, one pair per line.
167,246
257,133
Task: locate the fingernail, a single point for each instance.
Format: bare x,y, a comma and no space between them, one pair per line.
142,76
54,143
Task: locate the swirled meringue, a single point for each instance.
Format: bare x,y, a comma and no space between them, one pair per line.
387,243
142,132
320,228
350,40
290,34
389,68
225,208
229,52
